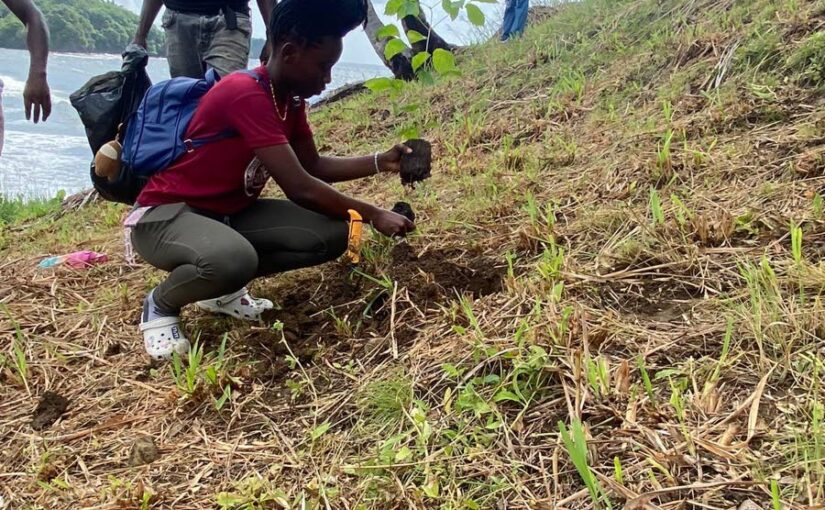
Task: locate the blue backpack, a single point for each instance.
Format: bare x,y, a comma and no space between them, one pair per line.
155,134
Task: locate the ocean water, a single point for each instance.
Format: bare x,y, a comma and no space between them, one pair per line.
41,159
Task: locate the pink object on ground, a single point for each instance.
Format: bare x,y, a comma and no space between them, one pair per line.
85,258
78,259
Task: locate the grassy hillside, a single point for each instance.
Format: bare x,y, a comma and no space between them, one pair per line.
621,241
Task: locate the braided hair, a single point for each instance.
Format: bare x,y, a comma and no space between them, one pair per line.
308,21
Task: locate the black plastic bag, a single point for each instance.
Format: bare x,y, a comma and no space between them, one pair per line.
104,103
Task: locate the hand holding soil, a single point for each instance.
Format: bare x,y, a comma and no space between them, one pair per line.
392,224
390,161
416,165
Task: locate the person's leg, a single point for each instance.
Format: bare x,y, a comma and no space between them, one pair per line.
228,50
183,48
287,236
509,17
205,259
520,17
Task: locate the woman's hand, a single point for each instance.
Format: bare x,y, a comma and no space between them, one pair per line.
390,161
391,224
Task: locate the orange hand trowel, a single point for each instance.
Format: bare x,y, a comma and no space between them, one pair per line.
356,225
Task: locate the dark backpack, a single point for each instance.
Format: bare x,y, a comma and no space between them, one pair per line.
104,103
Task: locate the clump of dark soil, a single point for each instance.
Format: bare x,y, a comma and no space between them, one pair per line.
144,451
306,314
113,350
49,409
405,210
416,166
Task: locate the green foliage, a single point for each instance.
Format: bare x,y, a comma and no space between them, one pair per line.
385,401
640,362
402,8
796,243
209,372
415,37
451,8
16,209
617,470
475,15
775,498
443,61
655,204
393,48
809,59
818,206
80,25
420,59
423,62
388,31
381,84
253,493
575,443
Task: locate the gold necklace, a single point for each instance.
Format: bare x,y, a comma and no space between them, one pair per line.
275,102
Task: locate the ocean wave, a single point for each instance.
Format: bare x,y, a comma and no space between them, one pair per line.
12,86
33,165
13,90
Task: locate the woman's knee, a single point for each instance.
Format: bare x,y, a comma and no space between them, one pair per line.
229,269
323,241
336,239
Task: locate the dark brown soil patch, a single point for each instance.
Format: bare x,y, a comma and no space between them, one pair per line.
310,308
113,349
49,409
436,275
144,451
306,314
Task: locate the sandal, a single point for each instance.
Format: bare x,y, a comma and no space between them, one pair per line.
163,337
238,304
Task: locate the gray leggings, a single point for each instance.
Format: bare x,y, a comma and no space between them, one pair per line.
208,256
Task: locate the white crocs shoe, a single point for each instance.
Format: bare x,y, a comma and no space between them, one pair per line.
163,336
238,304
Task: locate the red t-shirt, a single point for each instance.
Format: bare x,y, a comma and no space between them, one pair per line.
225,177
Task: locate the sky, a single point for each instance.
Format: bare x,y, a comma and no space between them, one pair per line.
357,48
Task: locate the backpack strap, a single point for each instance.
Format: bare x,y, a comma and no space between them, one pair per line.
213,77
257,77
193,143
